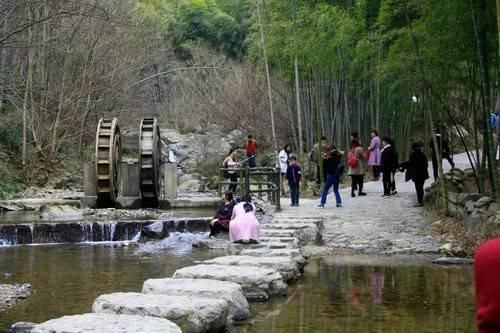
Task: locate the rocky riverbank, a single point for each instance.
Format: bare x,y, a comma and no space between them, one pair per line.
11,294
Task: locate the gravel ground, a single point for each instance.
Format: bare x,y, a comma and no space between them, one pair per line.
10,294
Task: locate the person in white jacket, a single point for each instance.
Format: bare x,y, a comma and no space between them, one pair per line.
283,157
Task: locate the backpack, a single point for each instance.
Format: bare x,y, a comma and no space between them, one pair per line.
352,160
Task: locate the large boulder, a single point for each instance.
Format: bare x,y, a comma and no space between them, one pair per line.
105,322
229,291
287,267
191,314
257,283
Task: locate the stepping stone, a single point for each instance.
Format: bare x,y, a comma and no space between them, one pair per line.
257,283
287,267
229,291
453,261
191,314
294,254
293,226
289,240
277,232
105,322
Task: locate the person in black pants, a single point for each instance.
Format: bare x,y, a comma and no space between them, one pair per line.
444,148
294,176
388,164
416,170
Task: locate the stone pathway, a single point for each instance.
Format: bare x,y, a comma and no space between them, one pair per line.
373,224
209,296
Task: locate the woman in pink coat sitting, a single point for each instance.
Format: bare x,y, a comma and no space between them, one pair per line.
245,227
374,158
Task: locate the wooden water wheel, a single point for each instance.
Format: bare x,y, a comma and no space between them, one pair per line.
107,161
150,162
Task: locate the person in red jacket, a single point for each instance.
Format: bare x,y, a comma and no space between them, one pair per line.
487,279
251,149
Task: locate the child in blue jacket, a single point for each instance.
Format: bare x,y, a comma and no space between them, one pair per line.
293,175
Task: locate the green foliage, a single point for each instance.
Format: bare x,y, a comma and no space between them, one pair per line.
10,131
9,178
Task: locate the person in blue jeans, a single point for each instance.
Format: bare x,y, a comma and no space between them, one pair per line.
294,176
333,171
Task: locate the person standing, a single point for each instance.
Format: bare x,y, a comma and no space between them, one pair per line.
333,170
374,158
393,173
251,150
316,156
487,281
230,164
356,162
444,148
283,157
416,170
294,176
387,165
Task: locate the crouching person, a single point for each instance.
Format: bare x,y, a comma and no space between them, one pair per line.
245,227
223,215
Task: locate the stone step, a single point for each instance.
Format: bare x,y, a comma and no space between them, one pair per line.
105,322
229,291
191,314
277,232
290,240
257,283
294,226
288,268
297,255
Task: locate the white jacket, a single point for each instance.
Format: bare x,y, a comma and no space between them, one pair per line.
283,157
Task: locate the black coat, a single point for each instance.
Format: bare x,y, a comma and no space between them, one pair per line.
224,212
331,163
416,167
388,159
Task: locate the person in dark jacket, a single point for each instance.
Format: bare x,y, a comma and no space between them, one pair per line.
416,170
294,176
333,171
487,281
396,163
388,164
444,148
222,215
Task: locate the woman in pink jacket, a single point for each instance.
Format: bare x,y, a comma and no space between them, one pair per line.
374,158
245,227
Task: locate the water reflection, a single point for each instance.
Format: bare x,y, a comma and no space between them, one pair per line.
392,295
67,278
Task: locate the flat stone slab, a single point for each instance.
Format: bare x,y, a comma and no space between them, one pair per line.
229,291
290,240
294,254
453,261
277,232
191,314
288,268
105,322
257,283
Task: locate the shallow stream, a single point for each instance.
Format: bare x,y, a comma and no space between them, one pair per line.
341,294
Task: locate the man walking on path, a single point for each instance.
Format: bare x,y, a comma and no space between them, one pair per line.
333,171
444,148
316,156
388,163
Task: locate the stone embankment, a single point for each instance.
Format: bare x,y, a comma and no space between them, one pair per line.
210,295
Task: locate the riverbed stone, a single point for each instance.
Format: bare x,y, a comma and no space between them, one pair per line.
257,283
106,322
453,261
288,268
229,291
191,314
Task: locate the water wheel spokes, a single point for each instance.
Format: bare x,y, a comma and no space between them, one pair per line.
107,161
150,162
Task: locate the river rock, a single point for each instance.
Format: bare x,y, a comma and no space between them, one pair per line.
191,314
484,201
229,291
105,322
60,213
153,231
452,261
21,327
288,268
257,283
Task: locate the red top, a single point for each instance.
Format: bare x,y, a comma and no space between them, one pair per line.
487,278
251,146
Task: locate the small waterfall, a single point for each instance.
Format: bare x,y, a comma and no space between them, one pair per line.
32,228
136,237
112,228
